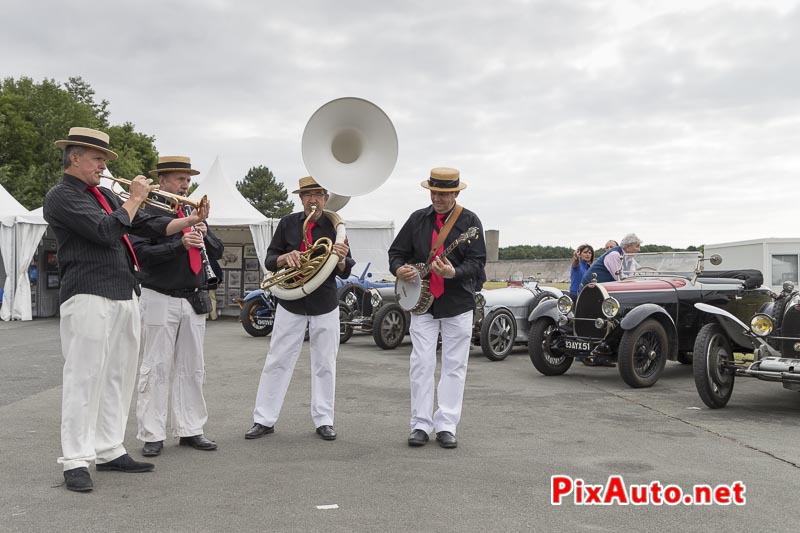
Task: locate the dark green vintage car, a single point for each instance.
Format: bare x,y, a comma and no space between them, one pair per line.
641,322
772,336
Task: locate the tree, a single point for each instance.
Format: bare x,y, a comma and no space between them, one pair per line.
32,117
137,152
260,188
35,115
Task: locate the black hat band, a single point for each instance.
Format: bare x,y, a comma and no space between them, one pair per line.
443,184
173,165
88,140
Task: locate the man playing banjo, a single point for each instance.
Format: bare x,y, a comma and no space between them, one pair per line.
452,286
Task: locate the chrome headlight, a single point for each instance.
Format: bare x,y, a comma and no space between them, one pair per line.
375,298
350,299
761,325
564,305
610,307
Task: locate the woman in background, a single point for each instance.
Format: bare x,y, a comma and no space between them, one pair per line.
581,260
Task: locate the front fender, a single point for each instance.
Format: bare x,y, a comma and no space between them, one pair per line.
547,308
637,315
258,293
737,330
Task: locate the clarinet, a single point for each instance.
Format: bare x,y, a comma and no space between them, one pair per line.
211,278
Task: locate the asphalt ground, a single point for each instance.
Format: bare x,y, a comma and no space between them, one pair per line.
518,429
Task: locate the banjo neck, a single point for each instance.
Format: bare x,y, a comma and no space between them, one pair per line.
426,269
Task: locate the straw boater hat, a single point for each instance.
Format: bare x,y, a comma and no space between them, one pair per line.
308,184
88,137
174,163
444,179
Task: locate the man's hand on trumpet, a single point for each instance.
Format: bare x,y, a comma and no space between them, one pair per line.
140,188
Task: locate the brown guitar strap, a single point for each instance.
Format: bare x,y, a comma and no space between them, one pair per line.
448,225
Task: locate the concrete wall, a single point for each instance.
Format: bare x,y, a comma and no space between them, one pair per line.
547,270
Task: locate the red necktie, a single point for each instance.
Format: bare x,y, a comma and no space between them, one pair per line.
437,281
194,253
308,236
104,203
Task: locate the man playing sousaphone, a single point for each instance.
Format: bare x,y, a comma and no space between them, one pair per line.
452,285
174,302
318,310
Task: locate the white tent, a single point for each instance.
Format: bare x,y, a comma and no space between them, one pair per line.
20,233
229,208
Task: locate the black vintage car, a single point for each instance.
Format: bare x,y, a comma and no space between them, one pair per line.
767,348
642,321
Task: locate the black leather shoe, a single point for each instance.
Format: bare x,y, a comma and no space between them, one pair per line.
151,449
446,439
78,479
198,442
418,438
258,431
125,463
326,432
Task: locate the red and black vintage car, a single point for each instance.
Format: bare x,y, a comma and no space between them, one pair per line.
642,321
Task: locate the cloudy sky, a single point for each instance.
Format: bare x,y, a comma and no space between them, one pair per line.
571,120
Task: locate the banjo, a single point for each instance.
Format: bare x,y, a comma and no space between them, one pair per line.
415,295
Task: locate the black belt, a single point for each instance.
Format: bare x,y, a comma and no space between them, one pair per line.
175,293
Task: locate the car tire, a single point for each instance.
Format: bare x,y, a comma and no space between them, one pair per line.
248,317
642,354
389,326
539,298
544,332
345,330
498,333
712,378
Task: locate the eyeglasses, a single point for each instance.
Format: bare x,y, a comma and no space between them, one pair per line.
316,194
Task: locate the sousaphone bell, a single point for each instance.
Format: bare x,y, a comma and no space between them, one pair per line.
349,147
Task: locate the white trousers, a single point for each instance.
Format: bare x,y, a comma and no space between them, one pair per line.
284,349
100,345
456,333
172,337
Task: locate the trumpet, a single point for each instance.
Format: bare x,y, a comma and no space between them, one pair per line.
161,199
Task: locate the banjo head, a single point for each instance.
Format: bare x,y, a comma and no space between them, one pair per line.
408,293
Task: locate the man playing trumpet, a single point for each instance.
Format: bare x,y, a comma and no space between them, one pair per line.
174,288
319,311
100,322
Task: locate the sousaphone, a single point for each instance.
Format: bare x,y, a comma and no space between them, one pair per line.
350,148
